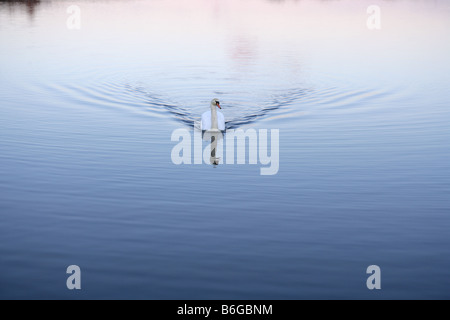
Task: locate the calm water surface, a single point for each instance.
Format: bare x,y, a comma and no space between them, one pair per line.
86,176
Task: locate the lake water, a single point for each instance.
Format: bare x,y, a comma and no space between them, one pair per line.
87,178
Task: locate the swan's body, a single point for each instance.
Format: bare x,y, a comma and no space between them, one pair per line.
213,120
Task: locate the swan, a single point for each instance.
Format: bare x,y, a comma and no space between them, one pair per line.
213,123
213,120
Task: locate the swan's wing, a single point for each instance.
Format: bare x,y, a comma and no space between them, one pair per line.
206,120
220,121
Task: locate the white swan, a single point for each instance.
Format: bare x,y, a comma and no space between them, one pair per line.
213,120
213,123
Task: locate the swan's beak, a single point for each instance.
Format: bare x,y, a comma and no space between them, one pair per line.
218,105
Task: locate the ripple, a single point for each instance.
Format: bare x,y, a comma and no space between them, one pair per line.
242,106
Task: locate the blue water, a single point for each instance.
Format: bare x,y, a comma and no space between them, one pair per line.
87,179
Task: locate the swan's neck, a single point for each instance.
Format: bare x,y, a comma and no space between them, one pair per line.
213,117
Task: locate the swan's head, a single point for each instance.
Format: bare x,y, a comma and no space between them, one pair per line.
215,102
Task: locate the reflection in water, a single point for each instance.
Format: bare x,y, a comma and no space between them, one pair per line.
214,160
243,51
30,5
214,137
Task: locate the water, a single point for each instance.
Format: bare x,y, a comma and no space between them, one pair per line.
87,179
